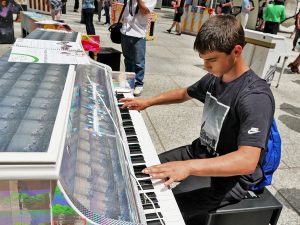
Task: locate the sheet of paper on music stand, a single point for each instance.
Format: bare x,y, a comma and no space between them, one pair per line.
123,81
46,51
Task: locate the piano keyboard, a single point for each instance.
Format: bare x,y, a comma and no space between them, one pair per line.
143,154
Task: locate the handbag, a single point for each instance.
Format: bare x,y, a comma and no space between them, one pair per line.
115,29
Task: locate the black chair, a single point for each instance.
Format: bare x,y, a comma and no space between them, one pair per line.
256,209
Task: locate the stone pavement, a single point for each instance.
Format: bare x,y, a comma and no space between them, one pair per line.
172,63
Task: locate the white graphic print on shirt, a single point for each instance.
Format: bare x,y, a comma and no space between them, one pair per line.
214,114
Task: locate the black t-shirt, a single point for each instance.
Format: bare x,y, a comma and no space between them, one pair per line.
238,113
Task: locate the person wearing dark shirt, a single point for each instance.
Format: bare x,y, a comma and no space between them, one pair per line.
236,120
226,6
179,7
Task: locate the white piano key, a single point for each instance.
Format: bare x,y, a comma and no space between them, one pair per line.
168,205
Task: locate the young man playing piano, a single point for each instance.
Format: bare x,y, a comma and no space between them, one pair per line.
237,115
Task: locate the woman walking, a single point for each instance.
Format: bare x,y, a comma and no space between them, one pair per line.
179,5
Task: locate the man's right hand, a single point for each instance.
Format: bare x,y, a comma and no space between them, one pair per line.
135,103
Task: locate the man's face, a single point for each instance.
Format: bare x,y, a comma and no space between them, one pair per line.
218,63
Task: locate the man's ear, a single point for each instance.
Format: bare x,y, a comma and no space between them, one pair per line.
237,50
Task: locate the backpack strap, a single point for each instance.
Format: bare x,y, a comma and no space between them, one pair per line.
121,14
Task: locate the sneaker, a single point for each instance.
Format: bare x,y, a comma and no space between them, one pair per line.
138,90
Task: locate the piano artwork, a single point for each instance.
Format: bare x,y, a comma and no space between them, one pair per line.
69,154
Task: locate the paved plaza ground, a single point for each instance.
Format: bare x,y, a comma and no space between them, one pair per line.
172,63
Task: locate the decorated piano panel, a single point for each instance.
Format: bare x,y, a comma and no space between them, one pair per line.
68,153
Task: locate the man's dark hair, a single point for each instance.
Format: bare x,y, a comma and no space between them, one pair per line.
220,33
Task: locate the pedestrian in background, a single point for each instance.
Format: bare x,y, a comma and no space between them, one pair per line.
226,6
76,6
55,6
179,6
294,66
100,7
273,16
107,4
246,8
133,40
297,30
88,9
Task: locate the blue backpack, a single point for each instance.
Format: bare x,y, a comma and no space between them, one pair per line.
272,158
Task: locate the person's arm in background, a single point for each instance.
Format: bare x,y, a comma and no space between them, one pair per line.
265,14
298,21
227,4
143,8
169,97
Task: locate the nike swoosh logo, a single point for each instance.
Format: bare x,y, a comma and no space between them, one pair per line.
253,132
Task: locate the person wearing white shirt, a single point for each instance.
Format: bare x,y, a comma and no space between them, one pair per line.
246,7
133,39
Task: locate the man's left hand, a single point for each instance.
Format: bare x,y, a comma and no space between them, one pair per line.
170,171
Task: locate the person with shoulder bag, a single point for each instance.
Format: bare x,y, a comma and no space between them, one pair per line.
133,38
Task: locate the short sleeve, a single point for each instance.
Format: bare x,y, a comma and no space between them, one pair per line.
150,4
198,90
256,113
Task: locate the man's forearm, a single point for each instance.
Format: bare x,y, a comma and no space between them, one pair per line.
241,162
169,97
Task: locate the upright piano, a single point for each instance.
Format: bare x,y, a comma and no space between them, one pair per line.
263,52
69,154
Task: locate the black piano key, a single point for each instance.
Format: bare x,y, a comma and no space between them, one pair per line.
142,175
119,96
129,131
124,110
150,206
127,124
151,216
132,139
139,168
149,194
137,159
135,149
145,200
146,185
125,116
156,222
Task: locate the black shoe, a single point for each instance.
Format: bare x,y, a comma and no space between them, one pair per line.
75,10
293,49
169,31
178,34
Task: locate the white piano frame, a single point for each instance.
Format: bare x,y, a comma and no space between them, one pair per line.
263,52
